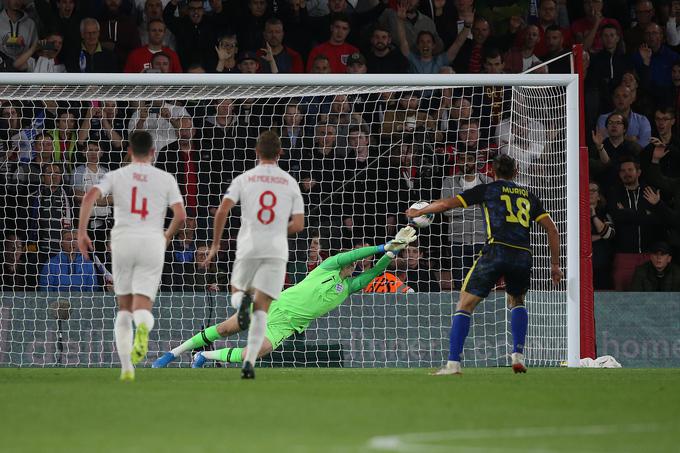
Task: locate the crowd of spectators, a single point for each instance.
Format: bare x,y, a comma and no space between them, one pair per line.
360,159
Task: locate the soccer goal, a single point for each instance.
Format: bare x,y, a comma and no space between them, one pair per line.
363,149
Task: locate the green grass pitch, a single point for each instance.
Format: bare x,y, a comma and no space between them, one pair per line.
340,411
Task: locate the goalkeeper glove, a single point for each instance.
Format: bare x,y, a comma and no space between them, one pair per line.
403,238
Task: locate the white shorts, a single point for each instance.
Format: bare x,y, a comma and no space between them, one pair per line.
137,263
267,275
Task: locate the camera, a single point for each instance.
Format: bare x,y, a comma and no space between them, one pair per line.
47,46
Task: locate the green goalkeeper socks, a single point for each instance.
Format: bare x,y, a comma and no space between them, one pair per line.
203,338
230,355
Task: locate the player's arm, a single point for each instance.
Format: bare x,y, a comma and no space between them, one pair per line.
296,223
179,216
362,280
346,258
554,244
84,241
218,229
474,195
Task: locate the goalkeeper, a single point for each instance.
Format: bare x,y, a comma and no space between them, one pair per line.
325,288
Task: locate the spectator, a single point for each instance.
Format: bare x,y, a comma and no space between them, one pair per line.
467,232
417,273
195,33
321,65
17,273
47,53
554,47
363,186
91,56
324,162
103,124
447,16
643,103
526,143
387,282
523,58
29,173
673,25
644,16
639,129
470,59
68,270
659,274
609,149
381,57
120,34
601,235
356,64
222,13
84,178
654,61
336,49
547,19
319,27
670,187
406,117
50,210
587,29
293,139
287,59
64,20
193,277
669,165
139,59
636,219
17,30
227,49
160,119
249,63
251,24
607,66
416,23
180,158
153,10
426,61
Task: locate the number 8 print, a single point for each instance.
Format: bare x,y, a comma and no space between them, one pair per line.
267,195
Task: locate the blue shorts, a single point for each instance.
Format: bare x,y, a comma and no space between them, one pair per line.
496,261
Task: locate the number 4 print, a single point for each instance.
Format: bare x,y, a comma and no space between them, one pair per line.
142,212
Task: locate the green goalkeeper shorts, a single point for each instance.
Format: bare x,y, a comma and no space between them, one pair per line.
279,326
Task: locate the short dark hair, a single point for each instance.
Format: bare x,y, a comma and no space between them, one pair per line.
627,159
553,27
381,28
274,21
612,26
504,166
159,55
141,143
425,32
667,109
269,145
342,17
623,118
492,52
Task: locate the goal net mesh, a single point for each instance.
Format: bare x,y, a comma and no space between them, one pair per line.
362,155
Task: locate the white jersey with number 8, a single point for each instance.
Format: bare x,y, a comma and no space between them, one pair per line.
141,196
268,197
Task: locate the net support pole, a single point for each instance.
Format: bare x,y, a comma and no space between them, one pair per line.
573,277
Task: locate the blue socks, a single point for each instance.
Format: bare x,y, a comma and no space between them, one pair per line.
519,320
459,332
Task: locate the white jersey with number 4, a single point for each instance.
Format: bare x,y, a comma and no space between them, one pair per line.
268,197
141,196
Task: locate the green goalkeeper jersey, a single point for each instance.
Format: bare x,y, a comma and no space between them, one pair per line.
323,289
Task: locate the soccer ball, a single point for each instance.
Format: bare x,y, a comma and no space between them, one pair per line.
422,221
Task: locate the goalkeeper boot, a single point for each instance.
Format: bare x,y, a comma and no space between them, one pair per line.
248,371
141,344
199,360
451,367
127,376
163,360
518,363
243,315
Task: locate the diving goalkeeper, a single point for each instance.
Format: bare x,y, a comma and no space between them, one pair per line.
324,289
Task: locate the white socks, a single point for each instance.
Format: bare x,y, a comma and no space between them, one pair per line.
237,299
258,327
123,333
143,317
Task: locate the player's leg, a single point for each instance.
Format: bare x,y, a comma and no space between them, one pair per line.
230,355
123,334
517,281
146,277
479,281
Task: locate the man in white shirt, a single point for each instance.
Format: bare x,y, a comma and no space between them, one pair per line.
271,209
141,195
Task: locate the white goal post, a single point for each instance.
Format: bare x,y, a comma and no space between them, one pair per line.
416,132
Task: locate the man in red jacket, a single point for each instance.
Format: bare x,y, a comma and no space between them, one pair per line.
336,49
139,59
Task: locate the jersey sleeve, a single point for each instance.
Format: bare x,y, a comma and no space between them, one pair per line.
234,190
298,202
105,185
472,196
174,195
343,259
537,210
358,283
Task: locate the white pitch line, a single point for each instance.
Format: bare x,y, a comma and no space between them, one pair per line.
410,442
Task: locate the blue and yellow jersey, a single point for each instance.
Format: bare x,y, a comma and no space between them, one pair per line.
508,211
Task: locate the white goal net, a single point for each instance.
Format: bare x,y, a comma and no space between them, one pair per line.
362,155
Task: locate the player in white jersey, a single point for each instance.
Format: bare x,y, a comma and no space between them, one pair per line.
271,209
141,196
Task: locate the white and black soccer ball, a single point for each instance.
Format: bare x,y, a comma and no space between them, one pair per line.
422,221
